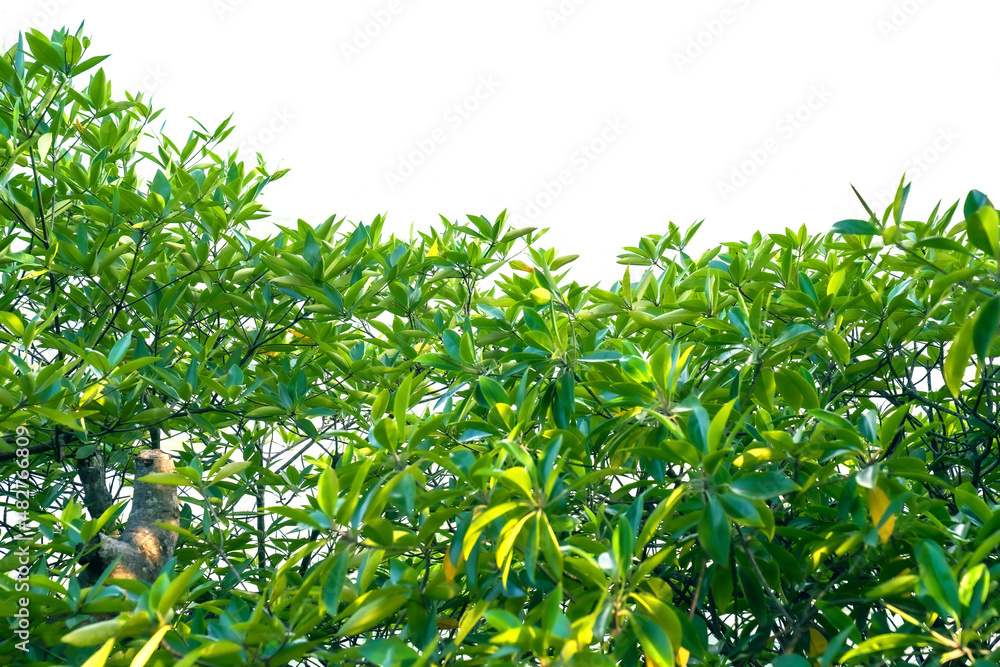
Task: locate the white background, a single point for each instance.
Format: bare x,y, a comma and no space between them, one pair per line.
750,114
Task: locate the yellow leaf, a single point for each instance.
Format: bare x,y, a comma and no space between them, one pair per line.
540,295
878,502
506,414
836,281
451,569
817,642
12,322
434,251
757,455
142,657
469,621
92,393
93,634
682,657
100,657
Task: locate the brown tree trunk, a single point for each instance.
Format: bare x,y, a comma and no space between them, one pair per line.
143,547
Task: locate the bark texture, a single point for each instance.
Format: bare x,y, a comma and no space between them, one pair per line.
93,477
143,547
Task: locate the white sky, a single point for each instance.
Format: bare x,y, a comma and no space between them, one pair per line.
673,98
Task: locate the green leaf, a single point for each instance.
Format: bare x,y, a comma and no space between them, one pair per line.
899,202
957,360
519,479
839,348
12,322
97,89
856,227
763,485
44,52
983,228
937,577
718,426
161,186
43,146
180,585
333,584
713,530
165,478
482,520
985,327
891,425
310,251
230,469
974,587
69,420
493,391
656,517
371,614
93,633
974,201
328,489
401,403
805,284
883,643
831,418
654,641
119,349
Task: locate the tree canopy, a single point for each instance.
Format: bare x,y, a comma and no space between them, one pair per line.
439,449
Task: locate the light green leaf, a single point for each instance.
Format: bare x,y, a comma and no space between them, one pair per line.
165,478
327,491
371,614
957,359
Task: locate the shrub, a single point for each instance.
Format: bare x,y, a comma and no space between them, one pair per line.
440,450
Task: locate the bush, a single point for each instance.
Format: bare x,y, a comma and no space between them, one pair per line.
440,450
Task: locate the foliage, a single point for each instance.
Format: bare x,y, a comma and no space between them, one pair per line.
440,450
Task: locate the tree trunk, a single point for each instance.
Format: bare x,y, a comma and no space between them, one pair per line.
143,547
